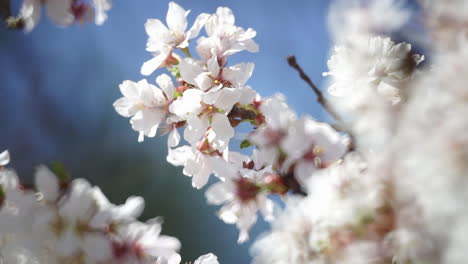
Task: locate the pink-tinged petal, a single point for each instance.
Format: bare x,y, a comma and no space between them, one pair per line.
60,11
176,18
219,193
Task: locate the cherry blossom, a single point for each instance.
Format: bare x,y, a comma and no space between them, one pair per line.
146,104
162,40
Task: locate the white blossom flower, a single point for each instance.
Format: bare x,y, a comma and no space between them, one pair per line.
58,10
311,145
197,164
162,40
355,20
224,37
214,76
146,104
377,69
143,243
241,194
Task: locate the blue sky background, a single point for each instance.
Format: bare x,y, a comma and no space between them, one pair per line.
58,86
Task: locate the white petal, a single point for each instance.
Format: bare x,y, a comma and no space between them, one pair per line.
31,13
180,155
4,158
207,259
47,183
101,7
165,83
196,128
176,18
238,74
155,28
204,81
189,70
173,139
219,193
197,26
153,64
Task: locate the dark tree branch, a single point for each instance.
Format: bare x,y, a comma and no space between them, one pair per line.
320,98
340,125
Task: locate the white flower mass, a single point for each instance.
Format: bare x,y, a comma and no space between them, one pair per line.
384,182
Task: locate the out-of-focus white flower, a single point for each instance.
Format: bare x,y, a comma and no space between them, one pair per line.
377,69
312,145
224,37
143,243
355,20
163,40
59,12
146,104
341,200
447,22
100,9
241,194
197,164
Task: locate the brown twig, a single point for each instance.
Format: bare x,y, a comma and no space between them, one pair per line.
320,98
340,125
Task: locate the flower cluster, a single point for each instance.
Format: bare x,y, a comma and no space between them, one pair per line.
64,12
59,220
209,101
385,183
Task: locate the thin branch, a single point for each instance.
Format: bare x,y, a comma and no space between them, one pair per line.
320,98
340,125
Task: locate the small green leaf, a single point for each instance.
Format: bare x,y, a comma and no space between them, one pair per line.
245,144
62,174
